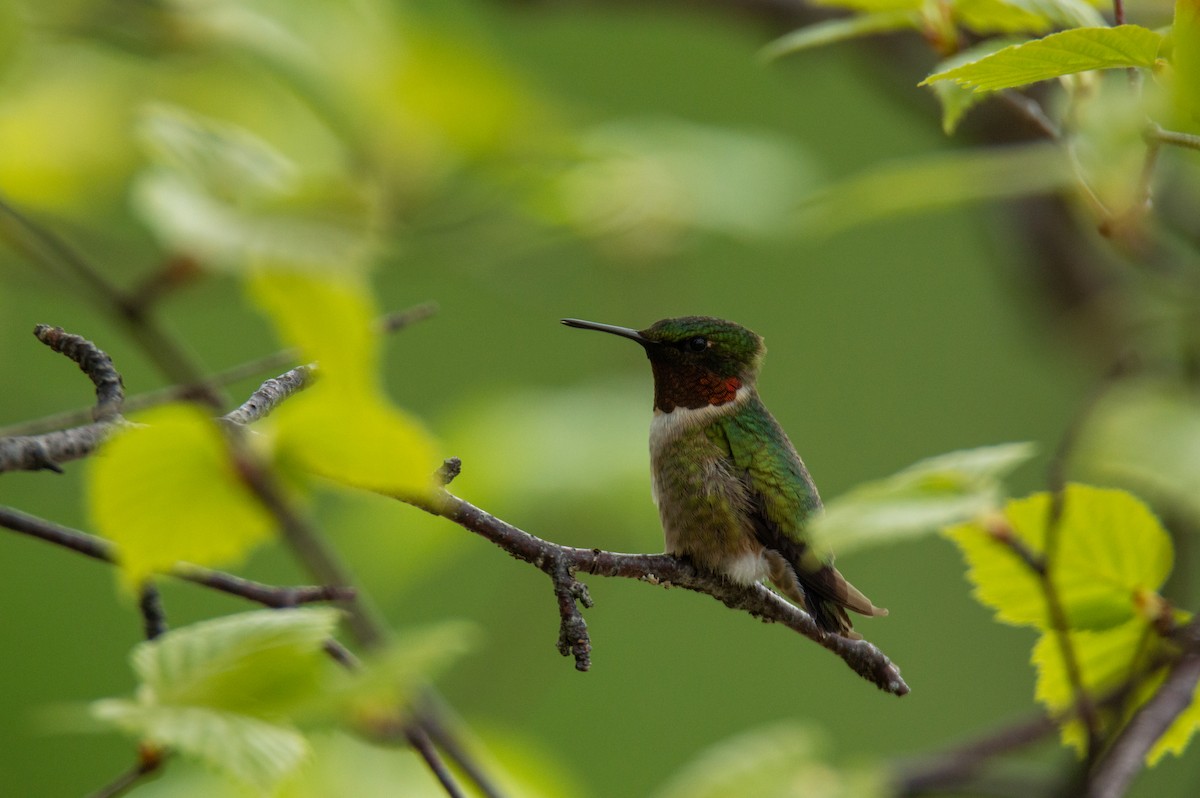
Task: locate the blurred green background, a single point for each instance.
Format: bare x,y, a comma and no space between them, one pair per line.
499,186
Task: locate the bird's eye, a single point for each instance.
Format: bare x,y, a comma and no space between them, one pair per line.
697,344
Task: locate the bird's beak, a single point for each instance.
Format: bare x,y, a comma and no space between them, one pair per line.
624,332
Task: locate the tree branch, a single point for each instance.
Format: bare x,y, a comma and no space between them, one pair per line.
149,762
271,394
561,563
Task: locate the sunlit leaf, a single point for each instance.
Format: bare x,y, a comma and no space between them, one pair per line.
1177,736
249,749
940,181
168,491
1065,53
1112,556
956,101
922,498
784,760
839,30
343,428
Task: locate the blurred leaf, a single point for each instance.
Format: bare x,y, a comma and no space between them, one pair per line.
923,498
937,181
872,6
1065,53
785,760
262,663
641,184
1018,16
342,428
1145,435
388,678
955,99
1112,557
1177,736
222,690
248,749
222,195
839,30
168,491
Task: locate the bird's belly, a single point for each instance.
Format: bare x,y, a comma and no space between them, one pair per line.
703,506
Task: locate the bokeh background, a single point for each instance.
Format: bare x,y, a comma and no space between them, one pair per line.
522,162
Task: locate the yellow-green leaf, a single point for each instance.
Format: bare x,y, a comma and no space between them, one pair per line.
166,491
343,428
1177,736
1065,53
956,100
1033,16
1112,553
1185,62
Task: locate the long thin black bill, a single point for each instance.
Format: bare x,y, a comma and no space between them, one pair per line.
624,332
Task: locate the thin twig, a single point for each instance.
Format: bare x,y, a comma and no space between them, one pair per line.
1187,140
100,549
561,563
389,323
1033,112
270,394
149,763
37,452
419,739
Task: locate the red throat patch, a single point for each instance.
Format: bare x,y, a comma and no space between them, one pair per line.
719,390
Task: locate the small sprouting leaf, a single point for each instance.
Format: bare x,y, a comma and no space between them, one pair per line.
223,690
1065,53
262,663
939,181
923,498
840,30
249,749
166,491
343,428
1112,554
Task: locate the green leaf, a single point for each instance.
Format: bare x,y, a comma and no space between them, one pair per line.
956,100
248,749
1106,659
223,690
872,6
263,663
343,428
1112,556
923,498
166,491
840,30
1065,53
783,759
1177,736
1185,63
939,181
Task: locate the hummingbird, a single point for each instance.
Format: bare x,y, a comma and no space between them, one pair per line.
733,495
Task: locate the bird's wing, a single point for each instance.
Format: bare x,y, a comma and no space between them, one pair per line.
783,497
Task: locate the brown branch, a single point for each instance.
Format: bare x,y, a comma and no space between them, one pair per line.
561,563
1112,774
100,549
154,617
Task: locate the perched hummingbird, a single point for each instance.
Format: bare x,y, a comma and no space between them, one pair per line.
732,493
